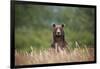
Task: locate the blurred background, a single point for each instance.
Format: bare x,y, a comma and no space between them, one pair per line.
33,25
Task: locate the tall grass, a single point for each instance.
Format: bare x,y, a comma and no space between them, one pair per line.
52,56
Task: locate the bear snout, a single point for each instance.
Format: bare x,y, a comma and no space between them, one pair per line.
58,32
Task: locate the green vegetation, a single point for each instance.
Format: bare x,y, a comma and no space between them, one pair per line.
33,25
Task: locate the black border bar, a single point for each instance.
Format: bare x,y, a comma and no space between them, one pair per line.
12,33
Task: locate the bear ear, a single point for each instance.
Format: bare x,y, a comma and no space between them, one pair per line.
53,25
62,25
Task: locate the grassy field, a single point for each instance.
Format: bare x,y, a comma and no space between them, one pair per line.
33,34
51,56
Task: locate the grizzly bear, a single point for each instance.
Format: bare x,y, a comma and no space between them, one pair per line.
58,37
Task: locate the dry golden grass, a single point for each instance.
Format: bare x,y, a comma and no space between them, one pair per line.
52,56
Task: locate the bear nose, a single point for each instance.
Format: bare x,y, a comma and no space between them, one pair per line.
58,30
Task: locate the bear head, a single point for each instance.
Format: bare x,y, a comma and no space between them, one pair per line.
58,30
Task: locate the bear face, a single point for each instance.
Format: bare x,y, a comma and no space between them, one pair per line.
58,30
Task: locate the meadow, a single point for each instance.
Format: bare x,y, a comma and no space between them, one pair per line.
49,56
33,34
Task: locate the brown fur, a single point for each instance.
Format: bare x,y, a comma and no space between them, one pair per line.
58,40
